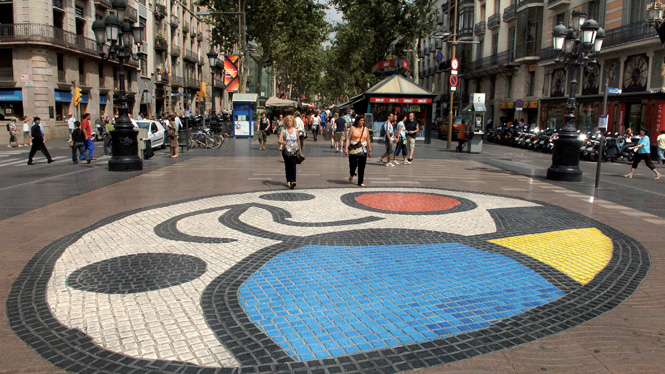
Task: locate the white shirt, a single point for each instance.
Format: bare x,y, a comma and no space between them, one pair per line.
26,127
316,120
178,123
300,125
70,123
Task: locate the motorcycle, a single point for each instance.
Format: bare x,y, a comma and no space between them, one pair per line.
100,133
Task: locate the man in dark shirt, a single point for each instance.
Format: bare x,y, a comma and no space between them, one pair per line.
37,134
412,128
339,129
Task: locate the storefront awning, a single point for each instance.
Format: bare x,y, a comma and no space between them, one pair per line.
11,95
280,103
63,96
84,98
479,107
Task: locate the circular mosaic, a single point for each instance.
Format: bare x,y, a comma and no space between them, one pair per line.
137,273
318,280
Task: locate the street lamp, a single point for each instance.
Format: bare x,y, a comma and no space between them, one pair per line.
655,13
121,37
577,47
212,60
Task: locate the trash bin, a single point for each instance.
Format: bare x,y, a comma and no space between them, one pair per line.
143,134
476,142
147,151
183,138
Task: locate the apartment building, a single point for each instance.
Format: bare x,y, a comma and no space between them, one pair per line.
513,62
47,48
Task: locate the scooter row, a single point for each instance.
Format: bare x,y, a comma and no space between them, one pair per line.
540,141
616,148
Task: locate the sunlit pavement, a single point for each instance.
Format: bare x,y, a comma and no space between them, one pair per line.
207,263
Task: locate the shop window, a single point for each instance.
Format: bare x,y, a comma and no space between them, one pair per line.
529,25
61,111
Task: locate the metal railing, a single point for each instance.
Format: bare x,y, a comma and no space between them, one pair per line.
174,21
185,27
479,28
6,74
555,2
466,32
82,81
191,56
509,13
192,82
547,54
160,44
62,77
494,20
175,50
47,34
176,80
465,2
160,11
496,59
527,2
104,3
58,4
161,78
628,33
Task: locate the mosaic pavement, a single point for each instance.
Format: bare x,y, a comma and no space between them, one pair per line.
318,280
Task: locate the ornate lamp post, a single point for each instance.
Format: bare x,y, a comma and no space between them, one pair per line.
576,46
212,60
121,37
655,14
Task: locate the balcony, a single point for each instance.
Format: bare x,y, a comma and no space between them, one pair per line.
524,3
628,34
185,27
465,33
175,50
479,28
190,56
192,82
219,83
463,3
36,33
493,64
131,14
101,82
82,81
103,3
554,4
202,60
176,81
509,13
161,78
494,21
58,4
547,54
7,74
161,44
199,38
62,76
160,11
174,22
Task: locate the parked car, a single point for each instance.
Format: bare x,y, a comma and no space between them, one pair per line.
443,129
156,132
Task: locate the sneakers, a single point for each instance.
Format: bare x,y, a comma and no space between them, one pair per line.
407,162
395,162
390,164
380,160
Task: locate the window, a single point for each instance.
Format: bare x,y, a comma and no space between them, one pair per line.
529,24
497,6
495,44
60,61
6,13
479,50
510,86
82,72
58,18
100,74
532,82
634,11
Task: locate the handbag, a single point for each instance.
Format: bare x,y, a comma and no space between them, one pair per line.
358,149
300,159
71,144
171,132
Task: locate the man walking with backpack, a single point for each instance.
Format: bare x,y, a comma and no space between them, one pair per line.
38,142
387,135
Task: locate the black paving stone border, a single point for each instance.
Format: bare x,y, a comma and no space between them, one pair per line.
72,350
287,196
465,204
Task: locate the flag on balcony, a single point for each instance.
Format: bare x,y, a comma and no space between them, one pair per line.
439,56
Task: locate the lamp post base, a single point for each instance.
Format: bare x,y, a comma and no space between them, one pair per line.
125,151
564,173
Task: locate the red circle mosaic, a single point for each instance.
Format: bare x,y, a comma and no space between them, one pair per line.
406,202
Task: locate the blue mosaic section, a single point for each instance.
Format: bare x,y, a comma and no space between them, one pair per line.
319,301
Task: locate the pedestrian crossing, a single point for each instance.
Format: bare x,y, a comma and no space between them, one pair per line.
14,157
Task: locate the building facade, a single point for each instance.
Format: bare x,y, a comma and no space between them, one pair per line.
512,61
48,49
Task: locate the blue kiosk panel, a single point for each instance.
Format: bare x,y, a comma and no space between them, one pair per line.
243,115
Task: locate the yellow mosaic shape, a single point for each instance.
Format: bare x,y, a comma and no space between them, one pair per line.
578,253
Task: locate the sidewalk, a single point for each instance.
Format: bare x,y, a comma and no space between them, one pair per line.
209,262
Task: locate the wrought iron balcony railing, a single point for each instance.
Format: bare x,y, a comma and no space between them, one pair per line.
479,28
628,33
132,14
46,34
176,81
175,50
191,56
494,21
509,13
103,3
6,74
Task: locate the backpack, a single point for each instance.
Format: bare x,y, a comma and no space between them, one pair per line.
35,131
383,131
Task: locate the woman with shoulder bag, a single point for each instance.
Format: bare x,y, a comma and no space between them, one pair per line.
358,147
173,136
289,141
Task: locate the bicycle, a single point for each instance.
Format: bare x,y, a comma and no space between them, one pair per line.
204,139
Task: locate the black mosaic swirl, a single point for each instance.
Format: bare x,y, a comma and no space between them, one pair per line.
287,196
137,273
72,350
463,206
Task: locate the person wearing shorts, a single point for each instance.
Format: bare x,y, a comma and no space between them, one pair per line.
388,140
412,128
264,126
339,130
400,146
27,140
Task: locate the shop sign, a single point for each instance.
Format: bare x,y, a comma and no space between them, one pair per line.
602,122
395,100
532,104
659,116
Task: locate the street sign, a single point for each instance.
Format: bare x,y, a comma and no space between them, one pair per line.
602,122
453,81
453,72
614,90
519,103
454,64
453,88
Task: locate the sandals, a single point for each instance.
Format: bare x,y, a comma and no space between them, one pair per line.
658,176
293,185
627,176
351,179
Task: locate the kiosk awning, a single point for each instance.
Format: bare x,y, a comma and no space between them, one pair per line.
280,103
479,107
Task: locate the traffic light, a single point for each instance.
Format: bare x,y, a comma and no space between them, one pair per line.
77,96
203,90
